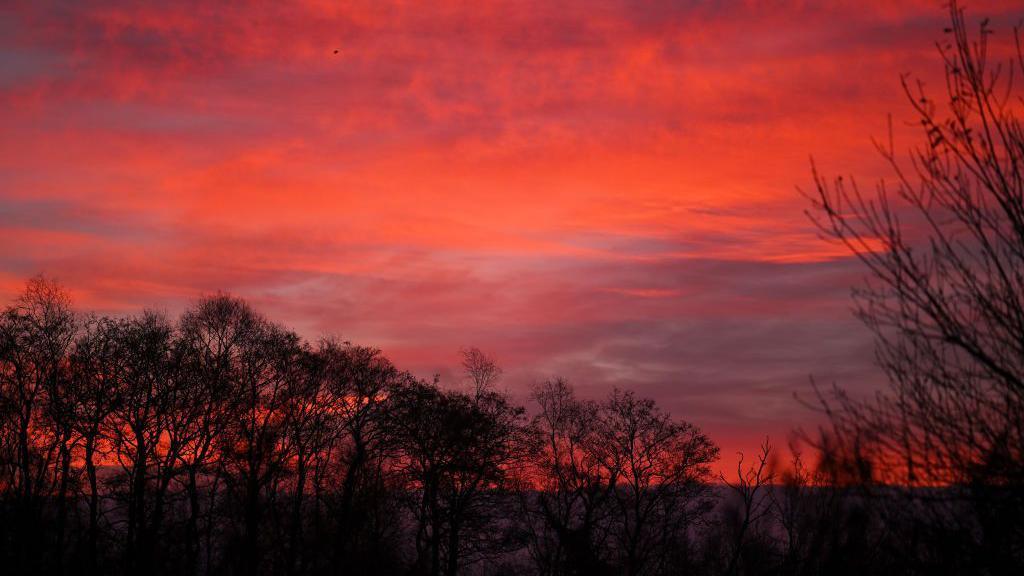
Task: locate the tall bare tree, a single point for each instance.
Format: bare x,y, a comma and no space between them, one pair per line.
574,488
750,488
138,424
663,469
621,482
38,330
943,242
455,452
212,335
253,446
97,366
360,381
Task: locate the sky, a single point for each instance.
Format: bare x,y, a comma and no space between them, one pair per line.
605,190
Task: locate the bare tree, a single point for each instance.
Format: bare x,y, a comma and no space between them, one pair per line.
360,381
455,452
749,488
480,369
621,483
212,335
39,330
138,424
253,446
310,435
97,367
943,242
574,486
662,471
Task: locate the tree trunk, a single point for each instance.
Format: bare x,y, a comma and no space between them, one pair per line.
294,553
453,545
346,528
136,549
251,519
192,527
94,504
62,502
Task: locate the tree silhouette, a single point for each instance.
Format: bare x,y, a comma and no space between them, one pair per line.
659,468
480,369
750,489
360,381
943,242
38,331
96,367
621,483
574,487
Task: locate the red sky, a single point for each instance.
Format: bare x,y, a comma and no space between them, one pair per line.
604,190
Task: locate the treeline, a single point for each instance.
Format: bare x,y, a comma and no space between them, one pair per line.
222,443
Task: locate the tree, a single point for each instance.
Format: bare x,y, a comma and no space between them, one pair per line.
97,367
621,482
212,334
753,503
480,369
455,452
38,331
574,487
138,424
360,381
943,242
311,431
660,470
253,445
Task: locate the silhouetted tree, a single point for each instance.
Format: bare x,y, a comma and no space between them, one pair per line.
361,382
253,445
621,483
480,369
453,451
660,470
139,425
97,367
801,507
944,245
38,331
212,336
750,491
310,434
573,486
